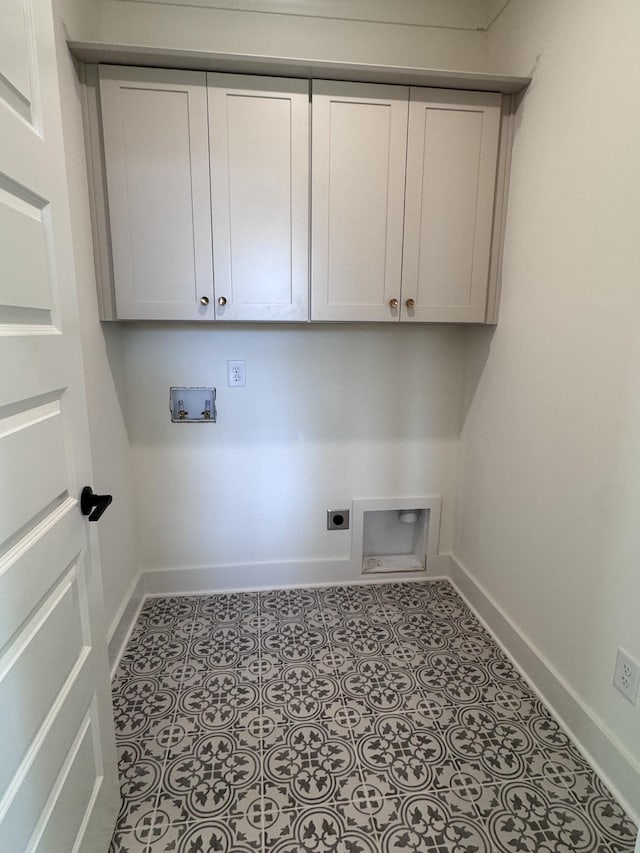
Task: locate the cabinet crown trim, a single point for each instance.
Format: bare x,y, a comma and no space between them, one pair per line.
155,57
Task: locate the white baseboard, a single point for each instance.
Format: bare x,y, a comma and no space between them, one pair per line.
256,576
124,621
600,746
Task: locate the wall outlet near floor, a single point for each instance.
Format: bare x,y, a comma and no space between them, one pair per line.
626,676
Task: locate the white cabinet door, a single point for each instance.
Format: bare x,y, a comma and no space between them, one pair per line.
259,138
157,164
358,171
58,774
451,173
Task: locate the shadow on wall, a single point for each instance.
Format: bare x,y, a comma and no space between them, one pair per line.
477,349
303,384
114,335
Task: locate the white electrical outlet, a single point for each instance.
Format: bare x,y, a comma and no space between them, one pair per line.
236,376
626,676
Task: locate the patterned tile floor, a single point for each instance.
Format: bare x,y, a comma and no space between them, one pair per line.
344,719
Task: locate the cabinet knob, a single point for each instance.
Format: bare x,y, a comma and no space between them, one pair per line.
204,300
393,303
222,300
410,303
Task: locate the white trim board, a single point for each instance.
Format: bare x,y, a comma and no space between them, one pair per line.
124,620
603,751
251,577
319,69
366,581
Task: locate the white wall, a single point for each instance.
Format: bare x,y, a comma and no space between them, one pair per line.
330,413
109,442
447,37
549,486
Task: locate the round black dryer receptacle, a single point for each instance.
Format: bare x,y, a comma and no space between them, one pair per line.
337,519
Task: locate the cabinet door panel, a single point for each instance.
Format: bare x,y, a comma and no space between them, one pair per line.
157,166
358,156
259,131
451,170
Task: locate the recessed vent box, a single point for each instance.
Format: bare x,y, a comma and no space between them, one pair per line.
395,535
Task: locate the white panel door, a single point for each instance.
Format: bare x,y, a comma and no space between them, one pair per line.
259,141
451,173
359,140
58,777
156,149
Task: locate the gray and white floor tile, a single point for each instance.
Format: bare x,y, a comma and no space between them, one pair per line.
347,719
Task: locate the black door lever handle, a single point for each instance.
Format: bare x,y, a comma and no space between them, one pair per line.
93,505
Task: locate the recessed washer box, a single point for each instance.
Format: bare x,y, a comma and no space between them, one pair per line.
192,405
395,534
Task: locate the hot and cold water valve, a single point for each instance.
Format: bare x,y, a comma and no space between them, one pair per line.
192,405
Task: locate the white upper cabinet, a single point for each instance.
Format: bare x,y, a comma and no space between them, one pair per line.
358,173
209,203
184,148
259,149
451,173
156,144
389,248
